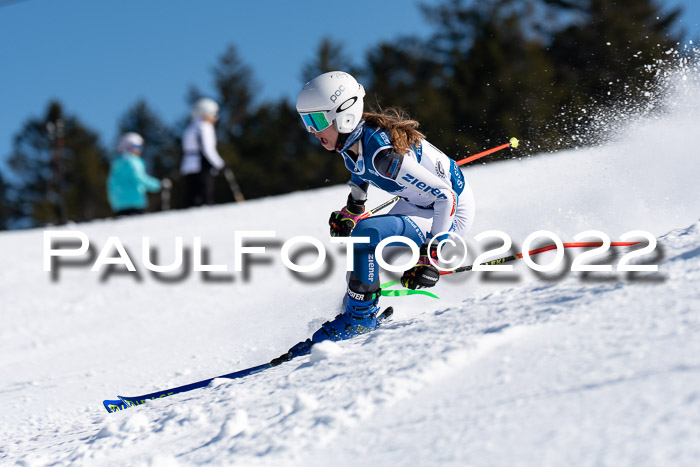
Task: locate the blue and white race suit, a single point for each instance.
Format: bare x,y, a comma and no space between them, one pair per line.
435,198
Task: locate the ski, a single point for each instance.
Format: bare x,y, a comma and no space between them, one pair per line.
125,402
114,406
302,348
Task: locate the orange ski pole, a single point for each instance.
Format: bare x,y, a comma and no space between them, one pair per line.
513,143
536,251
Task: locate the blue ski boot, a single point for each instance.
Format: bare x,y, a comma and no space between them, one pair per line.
360,316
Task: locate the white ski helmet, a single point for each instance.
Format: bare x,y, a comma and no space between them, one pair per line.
333,97
129,142
205,107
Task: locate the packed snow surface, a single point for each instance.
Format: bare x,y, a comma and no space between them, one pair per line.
514,368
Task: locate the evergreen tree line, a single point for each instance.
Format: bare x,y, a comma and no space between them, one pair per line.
489,71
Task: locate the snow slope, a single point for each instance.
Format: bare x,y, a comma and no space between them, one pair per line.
505,369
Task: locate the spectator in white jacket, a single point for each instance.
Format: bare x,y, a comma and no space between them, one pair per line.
201,161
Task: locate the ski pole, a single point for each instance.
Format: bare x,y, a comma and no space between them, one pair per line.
166,186
233,185
380,207
507,259
512,143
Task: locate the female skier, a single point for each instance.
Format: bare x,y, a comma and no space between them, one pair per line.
387,151
128,181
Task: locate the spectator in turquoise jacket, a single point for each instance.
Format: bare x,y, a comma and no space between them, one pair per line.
128,181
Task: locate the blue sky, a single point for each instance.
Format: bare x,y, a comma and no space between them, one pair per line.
99,57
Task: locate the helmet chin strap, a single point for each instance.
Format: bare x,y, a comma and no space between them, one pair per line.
347,140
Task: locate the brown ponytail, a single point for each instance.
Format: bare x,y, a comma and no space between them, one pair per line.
402,130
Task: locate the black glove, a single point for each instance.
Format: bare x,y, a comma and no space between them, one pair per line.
344,221
424,274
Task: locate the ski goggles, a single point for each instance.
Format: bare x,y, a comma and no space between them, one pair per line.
315,121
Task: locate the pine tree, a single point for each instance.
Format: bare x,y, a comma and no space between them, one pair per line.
404,74
521,67
282,156
330,56
601,54
498,79
235,86
61,170
5,213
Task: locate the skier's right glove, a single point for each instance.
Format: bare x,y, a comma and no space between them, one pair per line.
344,221
424,274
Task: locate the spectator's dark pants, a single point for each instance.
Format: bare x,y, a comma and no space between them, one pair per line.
129,212
199,189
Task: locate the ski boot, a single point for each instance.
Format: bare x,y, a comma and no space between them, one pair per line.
360,316
304,348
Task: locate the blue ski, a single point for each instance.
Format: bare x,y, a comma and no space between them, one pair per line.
114,406
302,348
125,402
